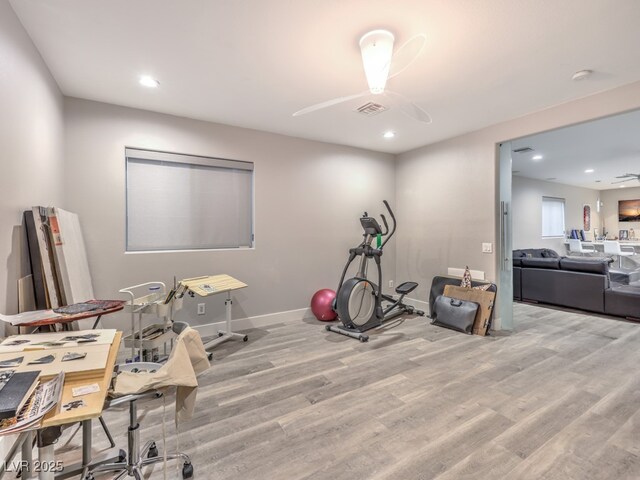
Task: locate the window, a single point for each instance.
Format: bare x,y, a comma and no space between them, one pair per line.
185,202
552,217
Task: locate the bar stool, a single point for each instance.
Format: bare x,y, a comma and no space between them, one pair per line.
576,246
612,247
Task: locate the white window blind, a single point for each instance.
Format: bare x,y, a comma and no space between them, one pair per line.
552,217
182,202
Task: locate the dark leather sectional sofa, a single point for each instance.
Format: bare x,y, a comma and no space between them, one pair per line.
584,283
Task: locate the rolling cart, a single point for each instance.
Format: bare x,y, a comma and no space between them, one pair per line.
150,299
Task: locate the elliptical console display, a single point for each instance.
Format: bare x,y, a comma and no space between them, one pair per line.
359,301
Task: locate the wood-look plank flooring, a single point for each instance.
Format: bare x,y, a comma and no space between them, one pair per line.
559,398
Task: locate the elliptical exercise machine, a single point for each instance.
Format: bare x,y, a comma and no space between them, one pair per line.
358,302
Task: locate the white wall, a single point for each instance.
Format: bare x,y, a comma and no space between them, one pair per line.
527,196
308,198
31,135
610,209
447,192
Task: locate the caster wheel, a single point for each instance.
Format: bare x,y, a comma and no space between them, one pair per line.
153,451
245,338
89,477
187,471
210,356
327,328
122,456
420,312
364,339
220,334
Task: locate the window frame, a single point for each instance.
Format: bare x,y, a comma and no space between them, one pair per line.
561,201
187,159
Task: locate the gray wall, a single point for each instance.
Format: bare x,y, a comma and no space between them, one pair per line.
527,196
447,192
610,209
308,198
31,135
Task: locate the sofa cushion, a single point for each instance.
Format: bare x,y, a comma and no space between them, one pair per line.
584,291
623,300
587,265
533,262
535,253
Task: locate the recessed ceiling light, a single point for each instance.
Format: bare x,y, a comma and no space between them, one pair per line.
389,134
598,181
622,186
581,74
147,81
589,170
536,157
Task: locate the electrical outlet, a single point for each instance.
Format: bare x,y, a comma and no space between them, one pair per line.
390,283
487,248
201,308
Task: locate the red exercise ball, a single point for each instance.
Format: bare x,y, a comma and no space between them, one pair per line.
322,305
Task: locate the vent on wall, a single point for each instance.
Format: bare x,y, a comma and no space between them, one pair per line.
523,150
371,108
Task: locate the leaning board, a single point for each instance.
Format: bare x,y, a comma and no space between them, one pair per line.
484,299
71,257
93,363
35,341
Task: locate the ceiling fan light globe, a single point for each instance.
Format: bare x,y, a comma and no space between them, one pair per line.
377,48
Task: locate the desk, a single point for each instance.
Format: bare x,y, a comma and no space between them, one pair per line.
212,285
50,430
110,306
631,243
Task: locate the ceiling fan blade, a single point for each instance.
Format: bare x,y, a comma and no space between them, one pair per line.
407,107
627,175
406,54
622,181
329,103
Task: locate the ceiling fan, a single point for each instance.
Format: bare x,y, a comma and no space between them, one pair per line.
377,52
627,177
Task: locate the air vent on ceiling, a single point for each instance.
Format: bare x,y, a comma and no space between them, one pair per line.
371,108
523,150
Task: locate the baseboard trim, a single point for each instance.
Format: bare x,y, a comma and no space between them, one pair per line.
258,321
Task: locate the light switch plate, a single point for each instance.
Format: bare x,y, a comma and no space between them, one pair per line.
487,247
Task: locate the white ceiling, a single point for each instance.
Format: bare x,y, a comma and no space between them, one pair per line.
252,63
610,146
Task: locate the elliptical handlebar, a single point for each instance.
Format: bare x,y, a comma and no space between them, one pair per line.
393,230
386,225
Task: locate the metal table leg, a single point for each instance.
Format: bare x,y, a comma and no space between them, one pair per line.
79,470
224,335
27,454
47,437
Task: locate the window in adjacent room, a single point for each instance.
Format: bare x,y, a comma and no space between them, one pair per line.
552,217
187,202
